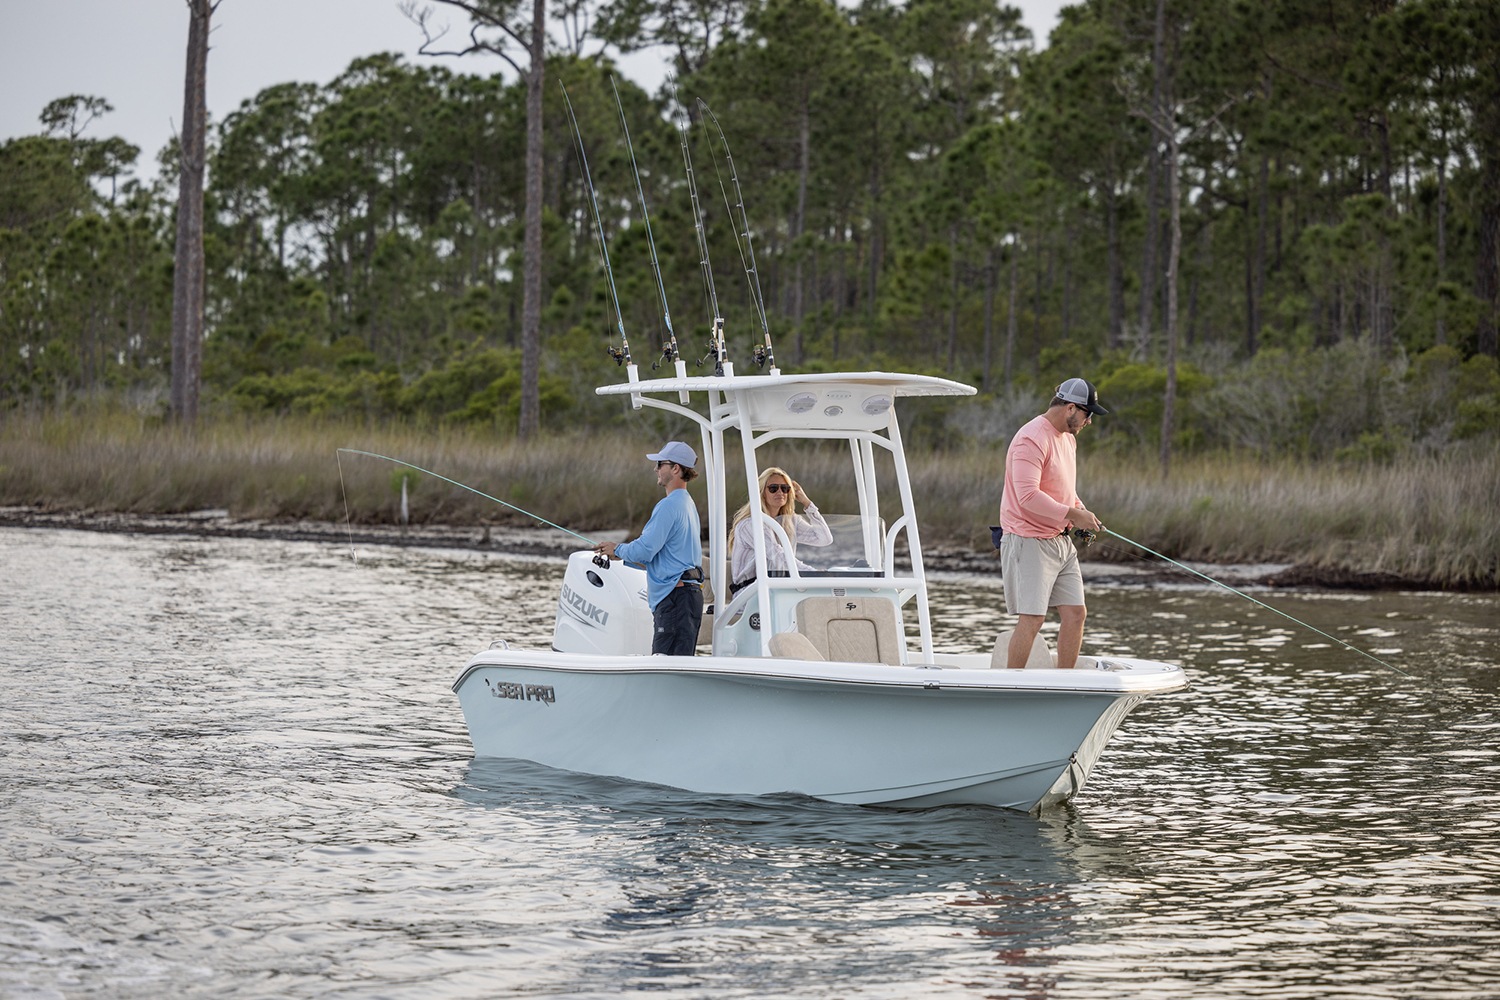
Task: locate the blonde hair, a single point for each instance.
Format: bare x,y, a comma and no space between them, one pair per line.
787,518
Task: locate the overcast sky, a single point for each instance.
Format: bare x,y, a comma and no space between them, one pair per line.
132,54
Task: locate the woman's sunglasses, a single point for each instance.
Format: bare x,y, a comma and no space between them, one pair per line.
779,488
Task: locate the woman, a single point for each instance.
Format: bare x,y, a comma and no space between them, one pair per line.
779,494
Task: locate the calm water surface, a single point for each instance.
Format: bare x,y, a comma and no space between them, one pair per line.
236,768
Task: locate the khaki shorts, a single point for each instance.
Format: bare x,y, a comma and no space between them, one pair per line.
1040,573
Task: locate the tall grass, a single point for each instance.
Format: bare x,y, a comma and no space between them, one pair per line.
1429,520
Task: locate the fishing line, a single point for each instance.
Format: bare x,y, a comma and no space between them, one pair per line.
344,492
1252,600
520,510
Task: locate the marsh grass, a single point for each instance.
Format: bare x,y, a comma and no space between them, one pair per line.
1428,520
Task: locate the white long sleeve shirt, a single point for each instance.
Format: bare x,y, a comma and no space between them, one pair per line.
811,529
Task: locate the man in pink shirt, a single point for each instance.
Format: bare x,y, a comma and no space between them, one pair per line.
1039,503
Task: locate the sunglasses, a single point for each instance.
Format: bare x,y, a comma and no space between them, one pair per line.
779,488
660,464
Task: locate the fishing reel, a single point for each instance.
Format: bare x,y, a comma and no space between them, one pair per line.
760,355
601,560
668,355
620,356
1082,537
715,355
716,348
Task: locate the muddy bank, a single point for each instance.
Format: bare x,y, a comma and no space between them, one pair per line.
946,559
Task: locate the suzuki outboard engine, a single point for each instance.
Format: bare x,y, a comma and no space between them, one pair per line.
602,610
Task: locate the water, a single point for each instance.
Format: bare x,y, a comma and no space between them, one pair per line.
235,768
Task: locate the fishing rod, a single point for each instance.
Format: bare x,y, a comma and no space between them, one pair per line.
717,336
1252,600
764,353
621,356
669,349
504,503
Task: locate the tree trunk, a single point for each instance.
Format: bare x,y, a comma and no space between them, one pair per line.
1174,254
989,314
877,228
799,223
1440,329
1154,171
188,271
952,296
1116,269
531,304
1010,319
1258,270
1487,277
1067,296
1486,29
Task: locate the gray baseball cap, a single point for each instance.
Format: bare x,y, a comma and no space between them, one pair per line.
676,452
1082,393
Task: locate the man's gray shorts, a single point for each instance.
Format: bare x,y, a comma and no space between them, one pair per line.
1039,573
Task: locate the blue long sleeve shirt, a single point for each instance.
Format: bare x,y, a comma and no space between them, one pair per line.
668,546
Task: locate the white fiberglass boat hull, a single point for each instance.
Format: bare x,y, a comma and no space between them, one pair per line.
860,733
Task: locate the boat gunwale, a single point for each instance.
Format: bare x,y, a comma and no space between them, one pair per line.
916,677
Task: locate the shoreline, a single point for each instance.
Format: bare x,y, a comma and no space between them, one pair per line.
941,558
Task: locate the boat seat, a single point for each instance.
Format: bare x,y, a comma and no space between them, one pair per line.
853,629
1040,657
794,646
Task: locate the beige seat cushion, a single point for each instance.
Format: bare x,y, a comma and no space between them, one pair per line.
854,629
794,646
1040,657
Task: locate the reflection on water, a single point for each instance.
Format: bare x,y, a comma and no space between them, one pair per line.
236,768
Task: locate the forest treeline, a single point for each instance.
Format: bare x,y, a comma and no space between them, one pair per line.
925,189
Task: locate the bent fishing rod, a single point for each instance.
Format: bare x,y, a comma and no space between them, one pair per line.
621,356
1252,600
463,486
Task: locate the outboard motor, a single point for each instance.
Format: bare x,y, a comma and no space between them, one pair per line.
602,610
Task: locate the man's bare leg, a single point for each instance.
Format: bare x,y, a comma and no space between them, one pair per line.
1070,635
1027,627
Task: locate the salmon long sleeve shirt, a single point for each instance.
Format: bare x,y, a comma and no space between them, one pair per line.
1041,476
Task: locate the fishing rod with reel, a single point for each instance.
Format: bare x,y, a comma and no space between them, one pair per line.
764,354
622,355
716,336
669,349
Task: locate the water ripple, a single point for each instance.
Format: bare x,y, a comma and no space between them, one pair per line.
235,768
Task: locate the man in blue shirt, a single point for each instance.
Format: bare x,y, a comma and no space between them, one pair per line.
670,548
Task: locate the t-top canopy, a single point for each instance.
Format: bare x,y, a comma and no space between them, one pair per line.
829,401
896,383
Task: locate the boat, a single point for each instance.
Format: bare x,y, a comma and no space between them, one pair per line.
821,679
